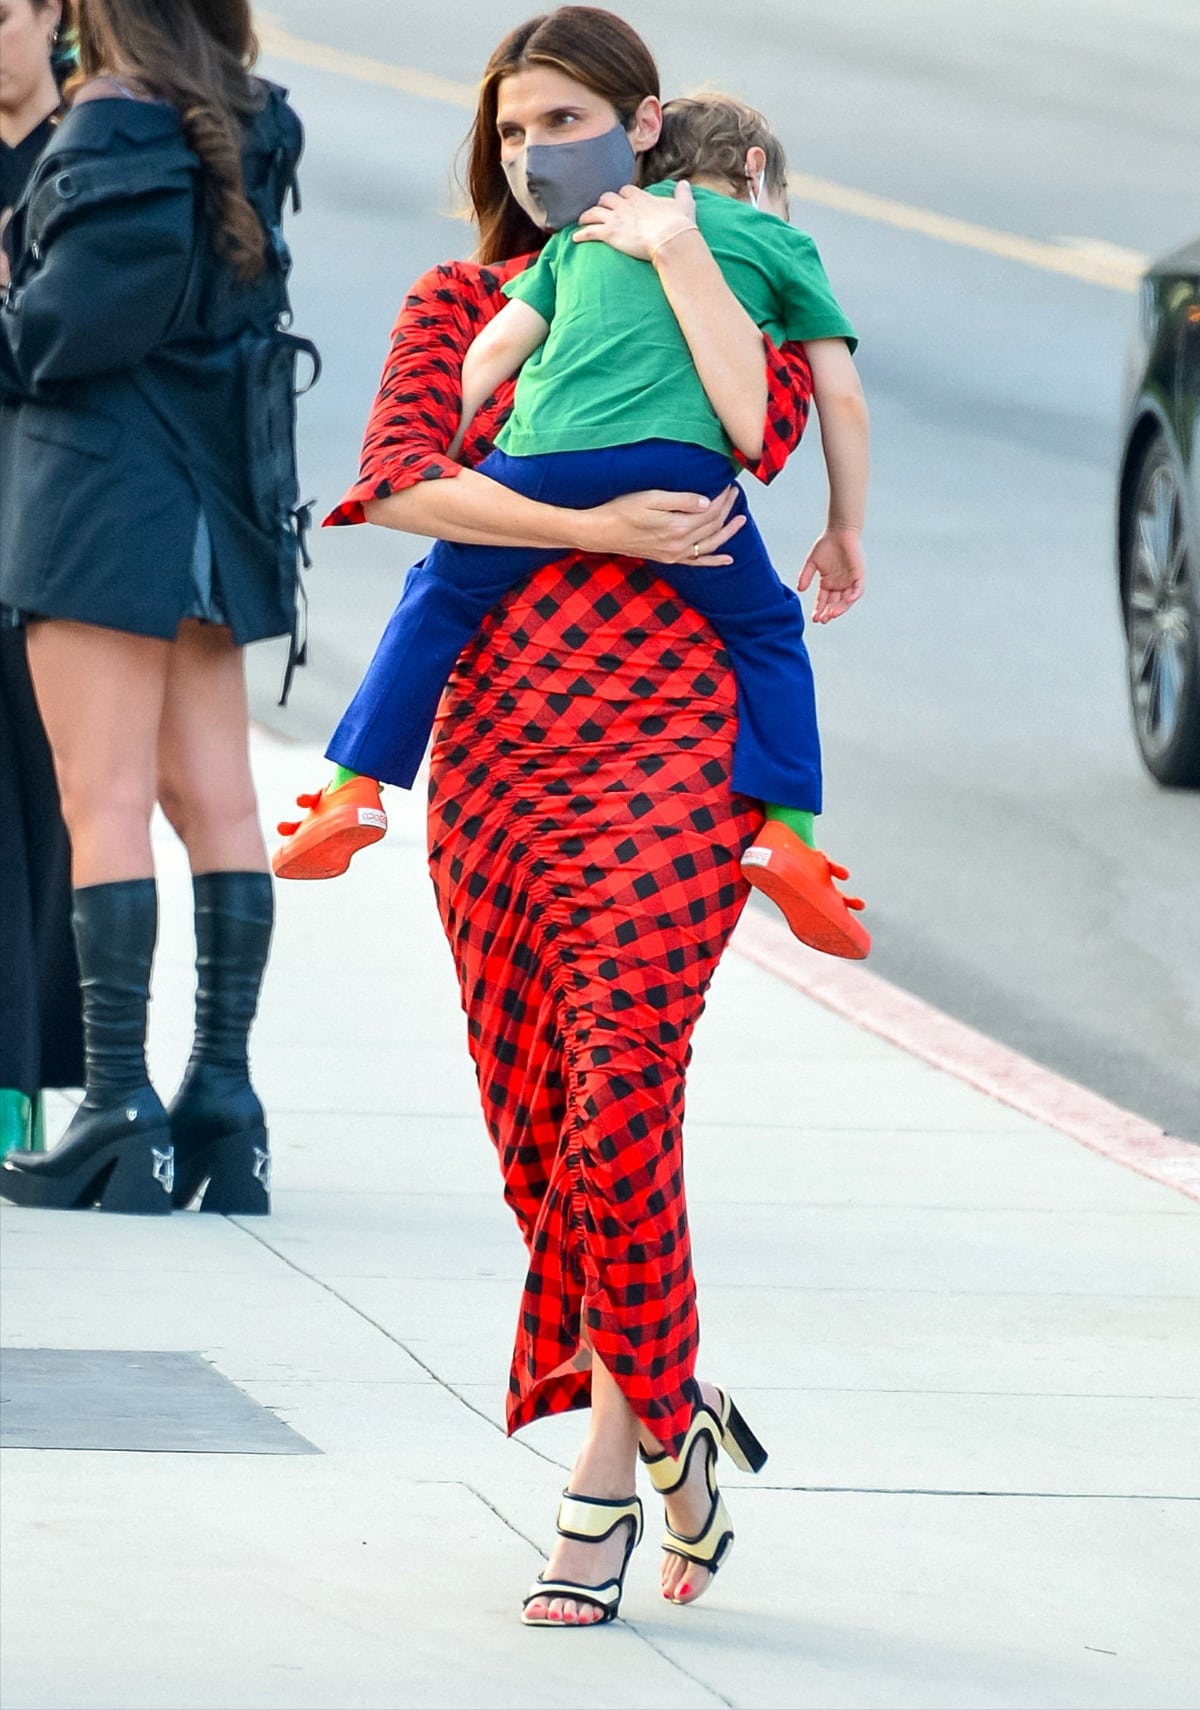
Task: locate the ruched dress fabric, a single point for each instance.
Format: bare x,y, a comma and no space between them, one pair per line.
584,844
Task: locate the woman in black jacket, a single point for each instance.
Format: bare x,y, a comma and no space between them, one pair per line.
144,552
41,1033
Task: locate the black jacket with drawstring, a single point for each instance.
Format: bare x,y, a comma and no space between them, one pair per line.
129,406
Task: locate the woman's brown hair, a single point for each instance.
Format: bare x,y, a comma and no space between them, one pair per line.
62,52
196,55
586,43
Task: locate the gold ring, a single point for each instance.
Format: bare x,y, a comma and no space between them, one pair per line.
696,550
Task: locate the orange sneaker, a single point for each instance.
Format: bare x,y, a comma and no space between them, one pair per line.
800,881
339,822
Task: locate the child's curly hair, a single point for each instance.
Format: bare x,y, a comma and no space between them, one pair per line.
707,136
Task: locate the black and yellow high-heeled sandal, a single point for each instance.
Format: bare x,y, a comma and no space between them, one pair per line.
590,1520
737,1439
726,1429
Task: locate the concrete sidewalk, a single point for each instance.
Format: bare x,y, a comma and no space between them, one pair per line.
971,1345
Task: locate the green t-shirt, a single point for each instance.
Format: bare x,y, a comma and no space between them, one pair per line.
615,368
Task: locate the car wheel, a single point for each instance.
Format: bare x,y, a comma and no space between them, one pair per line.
1162,624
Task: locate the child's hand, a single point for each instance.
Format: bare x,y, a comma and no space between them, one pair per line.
837,559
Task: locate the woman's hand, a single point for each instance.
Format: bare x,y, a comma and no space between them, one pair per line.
637,223
837,559
670,528
725,345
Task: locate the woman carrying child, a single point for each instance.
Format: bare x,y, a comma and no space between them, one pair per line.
603,360
585,837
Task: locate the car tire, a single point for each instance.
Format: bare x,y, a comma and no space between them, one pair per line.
1160,596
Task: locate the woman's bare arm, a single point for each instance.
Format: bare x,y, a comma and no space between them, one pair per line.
476,511
725,344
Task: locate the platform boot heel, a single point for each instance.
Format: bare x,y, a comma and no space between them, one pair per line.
217,1123
117,1151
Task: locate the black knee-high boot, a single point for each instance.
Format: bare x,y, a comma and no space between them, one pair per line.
117,1151
217,1122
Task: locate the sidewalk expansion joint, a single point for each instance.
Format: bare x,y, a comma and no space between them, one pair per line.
890,1290
501,1516
917,1490
633,1626
1007,1394
673,1662
393,1339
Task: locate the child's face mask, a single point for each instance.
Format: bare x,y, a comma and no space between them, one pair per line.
556,182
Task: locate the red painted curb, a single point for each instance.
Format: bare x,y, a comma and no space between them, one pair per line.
1008,1077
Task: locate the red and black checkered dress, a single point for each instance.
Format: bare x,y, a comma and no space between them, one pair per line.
584,845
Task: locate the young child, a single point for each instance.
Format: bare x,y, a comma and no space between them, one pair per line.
604,365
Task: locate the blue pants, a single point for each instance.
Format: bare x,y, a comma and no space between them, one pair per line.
385,729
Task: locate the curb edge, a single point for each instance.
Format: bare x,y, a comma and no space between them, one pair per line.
1007,1076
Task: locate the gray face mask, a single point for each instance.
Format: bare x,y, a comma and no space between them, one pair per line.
556,182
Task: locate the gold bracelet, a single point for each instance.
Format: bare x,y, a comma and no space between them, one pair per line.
663,242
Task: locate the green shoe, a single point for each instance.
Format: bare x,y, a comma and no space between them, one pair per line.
16,1122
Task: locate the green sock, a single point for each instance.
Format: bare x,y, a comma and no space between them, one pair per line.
342,775
795,819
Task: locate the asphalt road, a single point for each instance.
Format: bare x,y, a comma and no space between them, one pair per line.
1022,871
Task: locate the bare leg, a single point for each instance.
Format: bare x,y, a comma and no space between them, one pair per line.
204,781
687,1511
101,697
606,1466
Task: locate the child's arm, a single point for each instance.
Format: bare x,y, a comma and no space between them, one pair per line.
837,557
499,350
725,345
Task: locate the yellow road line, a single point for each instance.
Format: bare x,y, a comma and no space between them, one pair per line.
1120,271
1095,264
273,39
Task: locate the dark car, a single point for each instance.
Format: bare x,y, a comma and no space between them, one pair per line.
1158,520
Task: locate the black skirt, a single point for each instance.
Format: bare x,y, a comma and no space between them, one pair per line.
41,1034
